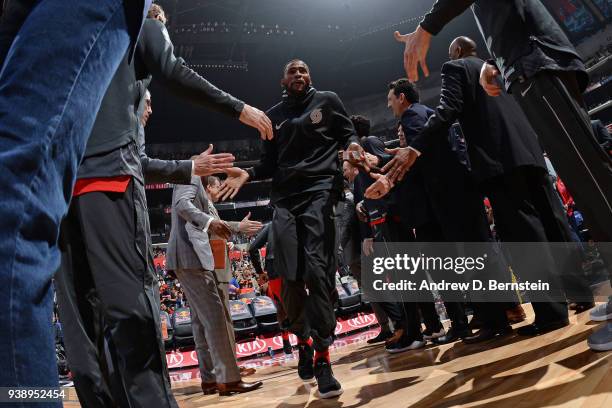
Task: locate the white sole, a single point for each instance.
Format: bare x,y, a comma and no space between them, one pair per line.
331,394
601,318
601,347
410,347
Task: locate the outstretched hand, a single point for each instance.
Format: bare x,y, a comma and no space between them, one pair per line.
404,158
206,163
248,227
415,53
380,188
236,178
257,119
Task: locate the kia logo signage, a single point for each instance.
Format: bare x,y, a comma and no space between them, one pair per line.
253,347
361,321
278,340
338,328
174,360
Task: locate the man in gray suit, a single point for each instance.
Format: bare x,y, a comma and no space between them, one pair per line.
189,254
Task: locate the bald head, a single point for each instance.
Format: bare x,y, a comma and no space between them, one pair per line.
462,47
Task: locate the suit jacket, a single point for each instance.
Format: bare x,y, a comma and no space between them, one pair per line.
189,243
510,28
499,137
439,187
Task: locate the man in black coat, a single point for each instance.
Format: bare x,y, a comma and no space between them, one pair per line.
310,128
508,167
451,208
543,71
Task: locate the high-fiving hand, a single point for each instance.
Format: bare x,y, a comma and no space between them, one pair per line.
236,177
379,188
404,158
415,53
207,164
255,118
248,227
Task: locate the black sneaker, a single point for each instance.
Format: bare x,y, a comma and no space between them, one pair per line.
382,336
287,348
404,344
305,363
329,387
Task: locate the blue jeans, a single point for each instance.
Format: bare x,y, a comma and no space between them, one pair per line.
51,86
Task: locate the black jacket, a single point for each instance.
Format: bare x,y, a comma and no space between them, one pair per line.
499,137
510,28
117,122
303,156
439,190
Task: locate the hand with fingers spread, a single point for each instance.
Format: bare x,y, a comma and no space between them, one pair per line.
207,164
404,158
220,228
248,227
236,178
489,76
415,53
255,118
380,188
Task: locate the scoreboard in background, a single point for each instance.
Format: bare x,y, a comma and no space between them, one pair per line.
580,18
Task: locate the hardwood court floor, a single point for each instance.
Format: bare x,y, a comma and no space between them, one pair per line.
556,369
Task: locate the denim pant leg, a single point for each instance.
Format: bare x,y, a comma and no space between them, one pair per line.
51,86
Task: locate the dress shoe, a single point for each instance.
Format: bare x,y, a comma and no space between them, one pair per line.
237,387
382,336
535,329
516,315
405,344
430,334
397,334
247,371
453,335
485,334
209,388
583,306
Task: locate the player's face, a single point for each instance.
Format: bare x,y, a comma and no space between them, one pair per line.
297,78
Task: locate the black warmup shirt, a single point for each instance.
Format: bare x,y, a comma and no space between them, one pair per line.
303,156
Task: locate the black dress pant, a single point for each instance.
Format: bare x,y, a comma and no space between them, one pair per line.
108,301
305,257
524,208
553,104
